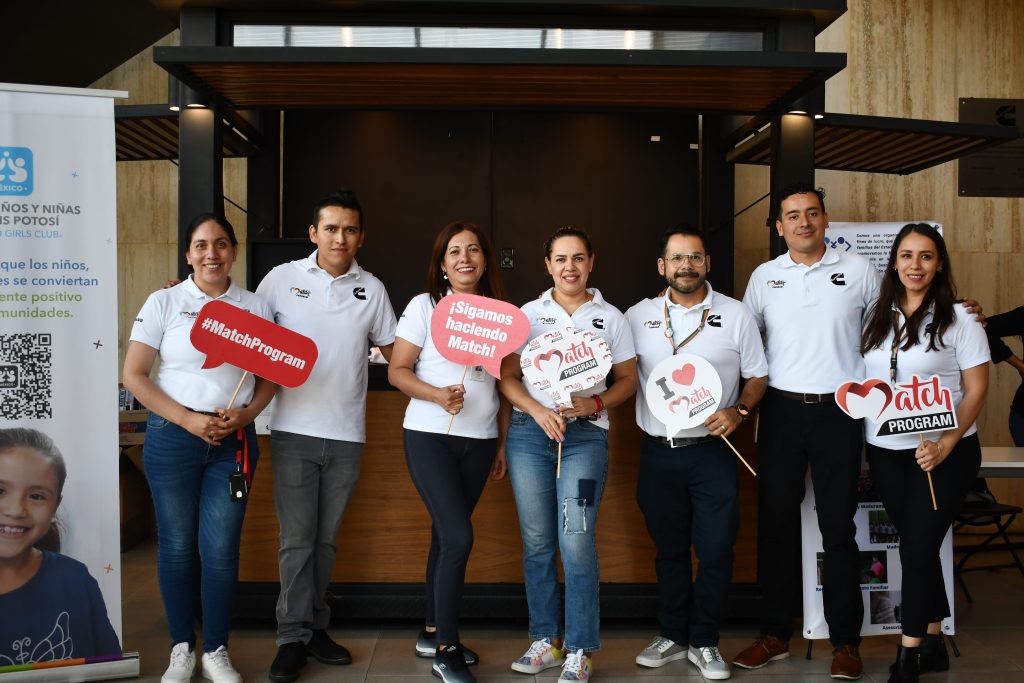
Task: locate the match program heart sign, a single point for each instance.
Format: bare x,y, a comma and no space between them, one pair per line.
228,334
565,360
914,407
683,391
474,330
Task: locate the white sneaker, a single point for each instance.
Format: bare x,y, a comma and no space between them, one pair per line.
541,655
660,652
710,662
577,667
217,667
183,665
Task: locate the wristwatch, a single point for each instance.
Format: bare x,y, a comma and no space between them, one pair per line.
742,409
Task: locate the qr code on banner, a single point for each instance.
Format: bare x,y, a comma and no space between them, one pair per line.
26,376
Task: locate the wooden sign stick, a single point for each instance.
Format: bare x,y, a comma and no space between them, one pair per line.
558,469
461,381
931,486
237,389
728,443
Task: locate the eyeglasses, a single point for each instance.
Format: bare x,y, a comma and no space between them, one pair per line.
694,258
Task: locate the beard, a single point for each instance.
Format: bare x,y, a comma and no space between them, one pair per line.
683,288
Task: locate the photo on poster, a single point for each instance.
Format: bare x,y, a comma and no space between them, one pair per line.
873,568
62,611
881,528
884,606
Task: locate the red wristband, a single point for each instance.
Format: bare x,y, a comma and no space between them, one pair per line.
600,403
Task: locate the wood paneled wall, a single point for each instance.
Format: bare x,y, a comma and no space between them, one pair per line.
916,58
385,534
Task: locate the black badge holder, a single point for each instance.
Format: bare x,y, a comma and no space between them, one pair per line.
238,482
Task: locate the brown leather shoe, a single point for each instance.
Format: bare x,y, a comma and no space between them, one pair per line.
846,663
765,649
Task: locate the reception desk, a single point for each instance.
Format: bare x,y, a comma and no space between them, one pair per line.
385,535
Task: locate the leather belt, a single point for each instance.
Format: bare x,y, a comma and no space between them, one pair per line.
681,442
202,412
804,398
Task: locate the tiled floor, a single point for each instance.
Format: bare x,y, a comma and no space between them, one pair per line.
990,636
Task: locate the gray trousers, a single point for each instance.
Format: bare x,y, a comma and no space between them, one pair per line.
313,482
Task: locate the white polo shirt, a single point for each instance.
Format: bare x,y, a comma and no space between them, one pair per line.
811,317
478,418
344,316
596,315
964,346
730,341
165,323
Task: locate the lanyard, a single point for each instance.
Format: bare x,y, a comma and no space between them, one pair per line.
897,331
669,334
242,455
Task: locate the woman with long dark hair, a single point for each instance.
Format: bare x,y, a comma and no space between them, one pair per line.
448,459
560,513
192,447
916,327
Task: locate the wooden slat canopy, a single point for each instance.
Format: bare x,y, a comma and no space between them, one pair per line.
698,81
147,132
878,144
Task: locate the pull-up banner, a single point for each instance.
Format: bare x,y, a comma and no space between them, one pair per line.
58,380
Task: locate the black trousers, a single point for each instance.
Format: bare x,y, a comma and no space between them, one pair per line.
793,436
449,473
689,497
903,488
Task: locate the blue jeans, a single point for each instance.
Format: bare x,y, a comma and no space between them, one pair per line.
559,514
188,480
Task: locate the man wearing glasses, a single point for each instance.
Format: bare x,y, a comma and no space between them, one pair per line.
687,483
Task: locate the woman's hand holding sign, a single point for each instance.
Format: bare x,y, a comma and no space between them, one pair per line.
452,398
551,422
930,454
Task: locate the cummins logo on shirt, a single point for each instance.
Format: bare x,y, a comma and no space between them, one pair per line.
359,293
598,323
715,320
838,278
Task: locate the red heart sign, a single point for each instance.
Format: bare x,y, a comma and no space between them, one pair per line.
684,375
856,409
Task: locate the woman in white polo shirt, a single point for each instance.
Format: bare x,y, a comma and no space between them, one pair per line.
193,445
560,513
917,328
449,467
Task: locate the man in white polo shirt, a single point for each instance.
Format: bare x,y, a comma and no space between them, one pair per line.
318,429
809,303
687,485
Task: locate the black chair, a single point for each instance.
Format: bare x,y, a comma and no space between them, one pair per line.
980,509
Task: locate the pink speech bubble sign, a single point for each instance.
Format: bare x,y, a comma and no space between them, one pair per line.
468,329
228,334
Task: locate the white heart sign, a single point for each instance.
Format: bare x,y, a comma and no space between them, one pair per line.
565,360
